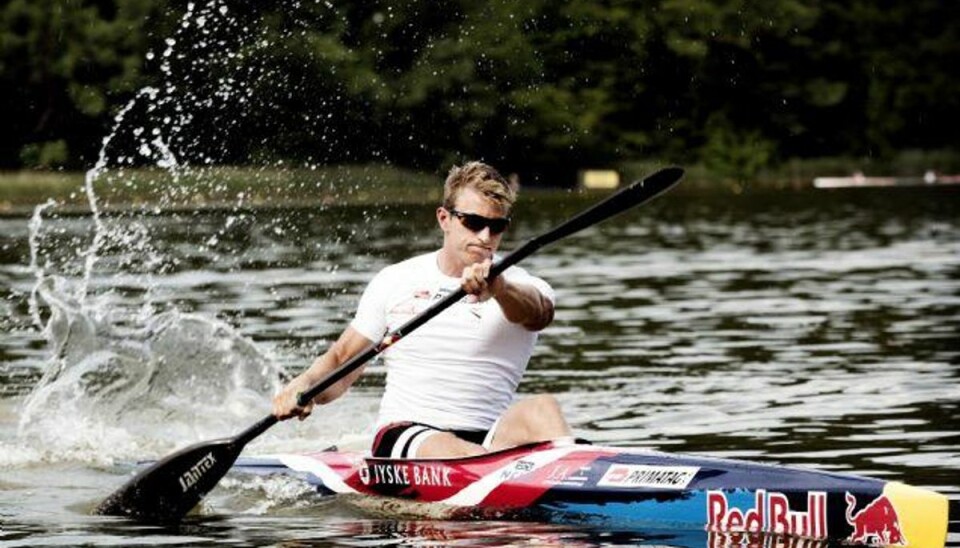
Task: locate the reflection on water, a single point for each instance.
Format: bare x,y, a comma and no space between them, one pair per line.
801,327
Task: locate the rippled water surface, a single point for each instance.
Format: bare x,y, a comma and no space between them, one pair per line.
818,329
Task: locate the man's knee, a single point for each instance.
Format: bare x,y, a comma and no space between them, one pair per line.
535,416
544,405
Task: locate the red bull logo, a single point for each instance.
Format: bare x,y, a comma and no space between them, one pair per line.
876,523
771,513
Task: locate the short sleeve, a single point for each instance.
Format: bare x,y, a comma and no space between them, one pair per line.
518,275
371,318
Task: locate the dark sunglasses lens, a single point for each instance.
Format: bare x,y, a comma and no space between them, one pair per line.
476,223
498,225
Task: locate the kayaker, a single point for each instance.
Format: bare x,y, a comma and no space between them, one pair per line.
451,384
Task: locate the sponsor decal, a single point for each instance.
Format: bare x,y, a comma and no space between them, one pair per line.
364,473
645,476
518,469
412,305
405,308
193,475
761,540
408,474
567,475
876,523
770,513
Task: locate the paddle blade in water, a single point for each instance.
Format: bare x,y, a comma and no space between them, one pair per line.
170,488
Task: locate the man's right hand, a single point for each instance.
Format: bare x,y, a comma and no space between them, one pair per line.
285,403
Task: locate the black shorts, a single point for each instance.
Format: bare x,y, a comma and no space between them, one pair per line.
400,440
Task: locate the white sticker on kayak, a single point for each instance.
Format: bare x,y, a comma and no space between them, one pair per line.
645,476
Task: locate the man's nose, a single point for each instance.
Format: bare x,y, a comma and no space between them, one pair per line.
484,234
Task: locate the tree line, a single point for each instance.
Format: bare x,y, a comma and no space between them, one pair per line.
539,87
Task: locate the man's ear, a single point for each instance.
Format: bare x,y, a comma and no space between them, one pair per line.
443,218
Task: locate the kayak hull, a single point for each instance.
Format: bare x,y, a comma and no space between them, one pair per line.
627,488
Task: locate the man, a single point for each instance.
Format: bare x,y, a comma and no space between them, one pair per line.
451,383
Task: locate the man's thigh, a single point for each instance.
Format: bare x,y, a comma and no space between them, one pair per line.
445,444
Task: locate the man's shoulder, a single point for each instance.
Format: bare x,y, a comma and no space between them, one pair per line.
416,264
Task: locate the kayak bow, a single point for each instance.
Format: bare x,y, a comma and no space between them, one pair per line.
632,488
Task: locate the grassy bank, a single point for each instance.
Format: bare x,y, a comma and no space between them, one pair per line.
216,187
219,187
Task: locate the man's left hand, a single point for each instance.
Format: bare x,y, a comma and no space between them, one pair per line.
474,282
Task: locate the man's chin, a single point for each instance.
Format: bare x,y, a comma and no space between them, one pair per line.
479,255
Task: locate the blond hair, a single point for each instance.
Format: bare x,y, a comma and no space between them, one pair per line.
482,178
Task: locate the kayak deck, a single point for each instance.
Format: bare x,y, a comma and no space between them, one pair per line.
627,488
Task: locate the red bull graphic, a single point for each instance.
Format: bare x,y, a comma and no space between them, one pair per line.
770,513
876,523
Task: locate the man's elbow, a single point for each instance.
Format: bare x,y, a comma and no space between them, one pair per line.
542,318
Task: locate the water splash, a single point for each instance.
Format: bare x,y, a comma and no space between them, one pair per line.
123,379
127,377
180,376
100,232
36,221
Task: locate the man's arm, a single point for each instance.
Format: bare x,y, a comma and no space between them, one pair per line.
350,343
521,303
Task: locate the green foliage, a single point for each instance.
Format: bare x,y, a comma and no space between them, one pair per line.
44,155
735,154
539,88
60,63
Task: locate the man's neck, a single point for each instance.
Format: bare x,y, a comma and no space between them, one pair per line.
448,264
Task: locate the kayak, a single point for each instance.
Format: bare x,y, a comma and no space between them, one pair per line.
639,489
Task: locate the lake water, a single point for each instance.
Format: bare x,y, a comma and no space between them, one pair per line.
810,328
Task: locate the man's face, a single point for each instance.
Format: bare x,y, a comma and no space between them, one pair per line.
465,245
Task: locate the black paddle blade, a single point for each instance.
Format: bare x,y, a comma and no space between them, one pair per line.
166,491
637,193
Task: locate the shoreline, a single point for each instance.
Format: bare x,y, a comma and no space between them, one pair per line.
232,188
218,188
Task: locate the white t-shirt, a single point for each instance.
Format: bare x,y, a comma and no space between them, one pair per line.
459,370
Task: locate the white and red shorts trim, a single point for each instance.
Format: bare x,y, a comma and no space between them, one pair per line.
402,440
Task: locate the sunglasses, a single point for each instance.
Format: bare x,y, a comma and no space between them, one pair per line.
476,223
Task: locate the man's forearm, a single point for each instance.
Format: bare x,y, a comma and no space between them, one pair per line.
322,367
524,305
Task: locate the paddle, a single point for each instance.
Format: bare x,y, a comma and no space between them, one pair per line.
170,488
